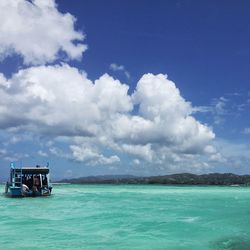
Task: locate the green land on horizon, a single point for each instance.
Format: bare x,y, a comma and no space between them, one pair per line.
173,179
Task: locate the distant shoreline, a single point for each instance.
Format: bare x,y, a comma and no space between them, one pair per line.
225,179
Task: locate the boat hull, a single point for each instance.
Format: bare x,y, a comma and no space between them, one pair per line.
18,192
14,192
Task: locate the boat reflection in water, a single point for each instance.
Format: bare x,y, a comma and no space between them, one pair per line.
28,181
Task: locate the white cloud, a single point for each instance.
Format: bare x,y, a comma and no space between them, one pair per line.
3,81
13,156
219,110
60,101
209,149
143,151
92,118
160,103
159,97
38,32
90,155
136,161
202,109
56,151
42,153
220,105
217,158
164,118
115,67
111,96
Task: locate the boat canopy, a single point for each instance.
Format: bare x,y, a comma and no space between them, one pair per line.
34,170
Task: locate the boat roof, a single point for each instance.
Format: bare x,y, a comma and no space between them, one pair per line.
34,170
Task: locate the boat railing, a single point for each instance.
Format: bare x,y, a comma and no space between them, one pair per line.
16,176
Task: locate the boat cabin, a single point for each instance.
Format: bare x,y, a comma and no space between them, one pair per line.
28,181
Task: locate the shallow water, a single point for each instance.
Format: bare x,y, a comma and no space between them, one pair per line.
128,217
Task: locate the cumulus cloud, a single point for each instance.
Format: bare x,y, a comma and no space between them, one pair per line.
3,81
38,32
91,156
143,151
164,118
158,96
161,104
60,100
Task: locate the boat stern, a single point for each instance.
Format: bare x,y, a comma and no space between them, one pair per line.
14,192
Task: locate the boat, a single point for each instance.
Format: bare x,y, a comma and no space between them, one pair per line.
28,181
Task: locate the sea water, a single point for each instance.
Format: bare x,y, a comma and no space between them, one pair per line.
128,217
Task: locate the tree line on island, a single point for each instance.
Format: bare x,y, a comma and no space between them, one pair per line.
173,179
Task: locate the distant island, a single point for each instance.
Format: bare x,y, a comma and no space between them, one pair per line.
173,179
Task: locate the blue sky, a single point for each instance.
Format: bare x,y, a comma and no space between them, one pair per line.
125,87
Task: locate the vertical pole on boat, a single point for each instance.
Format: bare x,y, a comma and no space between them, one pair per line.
47,176
12,174
41,181
48,180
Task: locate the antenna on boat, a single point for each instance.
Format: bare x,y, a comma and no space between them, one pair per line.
47,164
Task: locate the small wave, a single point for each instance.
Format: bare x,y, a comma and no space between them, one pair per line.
189,219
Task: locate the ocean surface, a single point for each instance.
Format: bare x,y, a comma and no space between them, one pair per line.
128,217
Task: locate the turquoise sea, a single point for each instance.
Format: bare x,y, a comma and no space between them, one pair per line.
128,217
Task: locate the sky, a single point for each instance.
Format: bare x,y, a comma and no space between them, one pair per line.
125,87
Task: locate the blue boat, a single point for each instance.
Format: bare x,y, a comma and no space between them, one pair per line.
28,181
